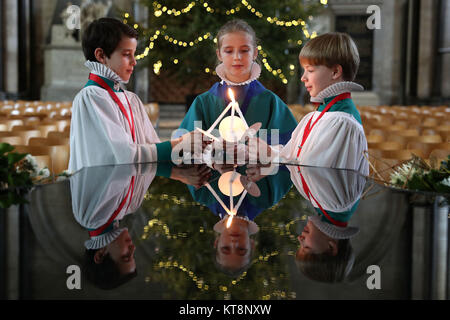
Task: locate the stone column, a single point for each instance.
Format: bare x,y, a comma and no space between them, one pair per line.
388,58
444,50
426,48
141,75
11,51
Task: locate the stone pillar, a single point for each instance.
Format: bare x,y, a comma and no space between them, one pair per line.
11,51
388,57
444,50
141,75
427,48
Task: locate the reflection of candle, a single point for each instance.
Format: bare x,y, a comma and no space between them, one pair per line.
225,180
230,218
216,196
240,200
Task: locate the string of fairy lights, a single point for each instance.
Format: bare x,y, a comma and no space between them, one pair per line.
200,283
160,9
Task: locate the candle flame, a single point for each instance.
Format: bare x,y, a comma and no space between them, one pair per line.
231,94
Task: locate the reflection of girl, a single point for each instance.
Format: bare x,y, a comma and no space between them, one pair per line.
237,52
101,197
233,245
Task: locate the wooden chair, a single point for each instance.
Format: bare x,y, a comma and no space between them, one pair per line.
58,134
14,122
386,145
59,155
414,122
430,122
26,135
61,124
440,154
32,121
12,140
427,148
402,155
55,141
395,127
429,139
45,128
374,138
378,132
408,133
23,128
430,132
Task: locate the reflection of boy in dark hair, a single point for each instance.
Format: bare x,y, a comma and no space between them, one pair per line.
113,265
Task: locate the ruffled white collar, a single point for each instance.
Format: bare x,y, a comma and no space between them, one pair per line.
103,240
103,71
335,89
254,74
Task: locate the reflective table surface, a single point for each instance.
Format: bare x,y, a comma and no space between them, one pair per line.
155,231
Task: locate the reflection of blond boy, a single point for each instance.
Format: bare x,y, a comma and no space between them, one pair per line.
325,252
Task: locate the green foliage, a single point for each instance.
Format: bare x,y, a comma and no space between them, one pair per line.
280,43
15,176
415,175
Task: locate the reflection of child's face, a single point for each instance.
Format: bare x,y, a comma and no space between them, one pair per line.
316,77
121,252
234,245
237,54
313,241
122,60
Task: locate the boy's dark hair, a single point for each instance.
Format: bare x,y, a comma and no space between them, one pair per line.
104,275
104,33
327,268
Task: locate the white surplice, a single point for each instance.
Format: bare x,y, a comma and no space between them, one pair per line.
100,133
336,141
98,192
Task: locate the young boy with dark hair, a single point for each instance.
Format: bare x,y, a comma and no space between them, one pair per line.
109,124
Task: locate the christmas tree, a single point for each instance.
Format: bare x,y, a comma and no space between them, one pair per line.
180,42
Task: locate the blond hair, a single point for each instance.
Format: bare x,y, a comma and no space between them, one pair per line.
236,25
330,49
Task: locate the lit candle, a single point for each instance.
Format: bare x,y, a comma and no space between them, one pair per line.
236,107
233,106
219,118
